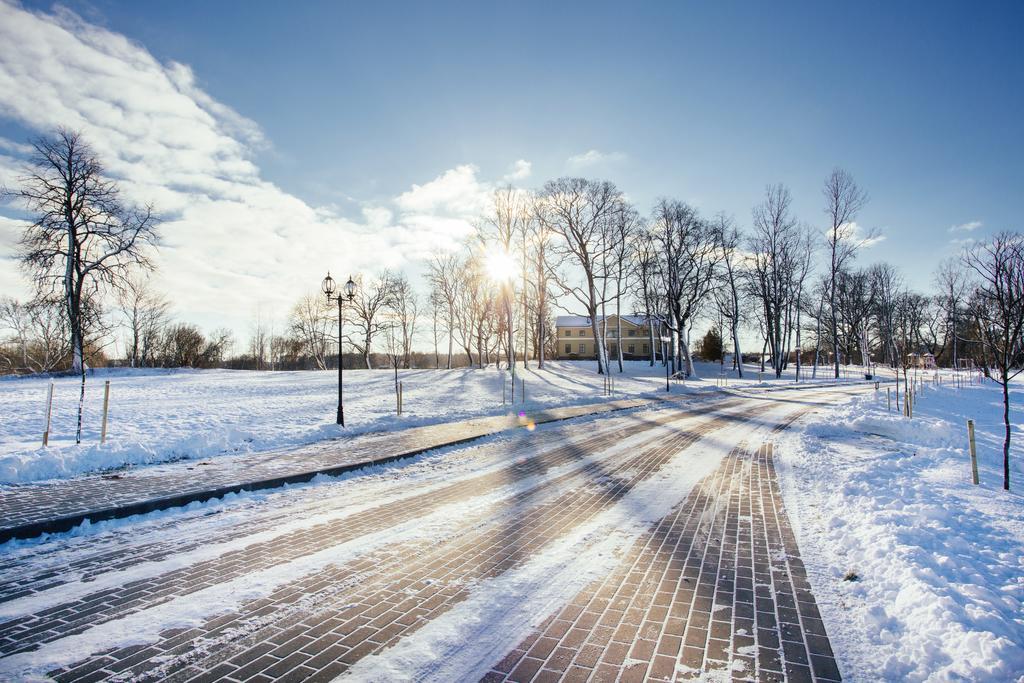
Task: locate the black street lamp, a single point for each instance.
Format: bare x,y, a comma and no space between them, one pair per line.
350,291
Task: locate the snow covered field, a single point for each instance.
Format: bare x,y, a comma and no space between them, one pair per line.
920,574
161,415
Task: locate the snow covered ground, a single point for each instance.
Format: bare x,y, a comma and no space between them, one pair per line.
919,573
161,415
471,636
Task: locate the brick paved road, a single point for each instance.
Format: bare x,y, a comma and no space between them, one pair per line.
307,583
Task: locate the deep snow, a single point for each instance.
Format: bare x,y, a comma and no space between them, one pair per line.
161,415
939,562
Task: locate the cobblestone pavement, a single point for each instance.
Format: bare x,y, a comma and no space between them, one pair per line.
332,572
717,586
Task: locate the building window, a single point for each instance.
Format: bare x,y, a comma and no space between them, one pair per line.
582,333
646,349
568,348
568,333
632,348
632,333
583,348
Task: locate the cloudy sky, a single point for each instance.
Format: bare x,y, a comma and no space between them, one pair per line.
280,140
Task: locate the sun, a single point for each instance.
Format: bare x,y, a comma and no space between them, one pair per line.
500,265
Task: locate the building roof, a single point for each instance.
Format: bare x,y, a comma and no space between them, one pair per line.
584,321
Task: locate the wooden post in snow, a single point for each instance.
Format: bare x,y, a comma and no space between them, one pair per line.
974,454
106,406
49,411
888,400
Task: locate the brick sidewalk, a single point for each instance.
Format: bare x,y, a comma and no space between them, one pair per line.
316,627
717,586
28,510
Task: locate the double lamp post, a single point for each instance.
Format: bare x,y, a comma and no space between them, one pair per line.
349,293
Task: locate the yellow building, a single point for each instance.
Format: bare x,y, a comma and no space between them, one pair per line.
576,337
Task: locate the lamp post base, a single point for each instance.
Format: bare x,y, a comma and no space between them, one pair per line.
341,416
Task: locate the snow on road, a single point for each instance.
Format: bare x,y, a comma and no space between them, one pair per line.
293,510
464,643
920,574
161,415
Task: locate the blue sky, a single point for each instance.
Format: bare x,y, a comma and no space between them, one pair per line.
348,107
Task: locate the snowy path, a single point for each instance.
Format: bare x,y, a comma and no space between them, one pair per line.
440,568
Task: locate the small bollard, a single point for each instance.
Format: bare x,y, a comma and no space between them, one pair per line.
524,390
106,406
974,455
888,400
49,411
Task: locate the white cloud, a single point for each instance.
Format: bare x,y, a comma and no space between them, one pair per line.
455,191
521,170
853,232
15,147
593,158
966,227
962,242
230,239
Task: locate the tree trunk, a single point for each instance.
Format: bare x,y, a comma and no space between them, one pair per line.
602,361
799,348
650,330
835,326
1006,436
618,328
451,340
684,342
540,344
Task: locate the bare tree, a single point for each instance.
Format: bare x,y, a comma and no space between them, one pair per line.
886,289
776,268
538,245
260,338
371,301
502,231
626,225
689,252
952,283
144,312
83,237
404,307
443,273
436,304
843,201
477,310
40,333
578,213
728,294
310,323
645,275
997,305
16,317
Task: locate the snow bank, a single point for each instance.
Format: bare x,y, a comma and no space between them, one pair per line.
919,573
